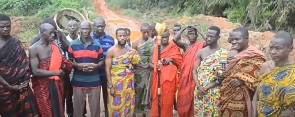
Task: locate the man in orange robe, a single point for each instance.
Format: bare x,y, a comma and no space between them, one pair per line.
237,89
48,66
185,95
170,61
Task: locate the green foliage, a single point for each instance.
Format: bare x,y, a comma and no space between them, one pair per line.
257,14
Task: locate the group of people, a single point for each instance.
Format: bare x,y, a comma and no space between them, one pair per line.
190,77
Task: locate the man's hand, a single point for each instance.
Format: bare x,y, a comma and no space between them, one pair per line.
22,85
236,82
89,67
112,91
159,65
80,66
166,61
61,73
201,92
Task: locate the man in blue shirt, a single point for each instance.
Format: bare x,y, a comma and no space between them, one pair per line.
106,42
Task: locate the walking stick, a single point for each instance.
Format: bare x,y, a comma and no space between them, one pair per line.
160,28
159,80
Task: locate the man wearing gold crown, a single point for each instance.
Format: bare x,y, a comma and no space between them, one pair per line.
170,61
206,93
238,86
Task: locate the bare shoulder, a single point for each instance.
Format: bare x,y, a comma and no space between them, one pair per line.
34,47
265,67
111,49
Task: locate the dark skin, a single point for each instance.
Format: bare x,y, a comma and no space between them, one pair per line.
73,28
211,40
5,28
279,50
192,37
153,31
42,50
128,38
176,29
85,37
164,44
145,29
115,51
99,26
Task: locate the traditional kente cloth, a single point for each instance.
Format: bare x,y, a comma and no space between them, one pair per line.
49,91
276,92
208,105
123,102
169,80
14,68
236,101
185,95
142,75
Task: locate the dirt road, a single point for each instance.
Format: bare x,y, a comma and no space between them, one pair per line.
115,21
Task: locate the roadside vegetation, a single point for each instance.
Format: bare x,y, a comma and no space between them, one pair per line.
31,12
260,15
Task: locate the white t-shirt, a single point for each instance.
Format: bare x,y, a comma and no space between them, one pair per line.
70,39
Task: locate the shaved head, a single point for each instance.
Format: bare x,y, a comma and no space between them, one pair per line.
99,20
284,37
45,26
86,24
4,17
50,21
145,26
85,29
243,31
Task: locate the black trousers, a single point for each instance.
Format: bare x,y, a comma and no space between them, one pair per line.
104,85
68,90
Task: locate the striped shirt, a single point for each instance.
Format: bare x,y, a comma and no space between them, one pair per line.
106,43
82,53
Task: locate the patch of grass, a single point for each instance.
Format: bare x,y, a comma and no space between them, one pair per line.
28,35
131,13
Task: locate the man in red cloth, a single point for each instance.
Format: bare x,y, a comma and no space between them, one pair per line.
48,65
16,97
170,61
186,87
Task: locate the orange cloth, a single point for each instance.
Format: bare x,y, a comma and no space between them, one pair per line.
169,79
57,57
236,101
185,96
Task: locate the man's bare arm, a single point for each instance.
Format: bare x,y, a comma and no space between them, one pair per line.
197,64
177,38
151,65
63,40
134,44
4,83
108,65
255,97
34,63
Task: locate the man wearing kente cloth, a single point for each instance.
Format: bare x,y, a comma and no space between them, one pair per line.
16,97
186,87
48,65
119,68
207,62
237,88
170,61
275,93
143,45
